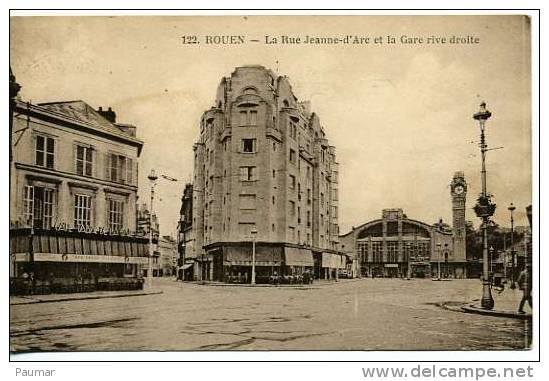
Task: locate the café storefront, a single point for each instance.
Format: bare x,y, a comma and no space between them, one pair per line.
233,263
52,260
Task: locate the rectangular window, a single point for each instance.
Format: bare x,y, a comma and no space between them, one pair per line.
247,201
245,229
309,196
247,174
28,204
248,118
248,145
116,214
308,219
120,169
243,118
292,208
84,160
38,206
292,156
45,147
48,211
82,210
292,182
253,117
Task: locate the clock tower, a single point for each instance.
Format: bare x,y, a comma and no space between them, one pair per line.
458,191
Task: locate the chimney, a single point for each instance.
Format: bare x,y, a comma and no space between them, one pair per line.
110,115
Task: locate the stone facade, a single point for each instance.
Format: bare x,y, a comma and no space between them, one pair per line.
73,193
67,149
262,163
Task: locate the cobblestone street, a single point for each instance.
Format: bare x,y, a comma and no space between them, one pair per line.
364,314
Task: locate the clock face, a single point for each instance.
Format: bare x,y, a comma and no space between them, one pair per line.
459,189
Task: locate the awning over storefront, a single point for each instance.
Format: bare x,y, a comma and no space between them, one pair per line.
79,258
76,247
294,256
334,261
242,256
186,266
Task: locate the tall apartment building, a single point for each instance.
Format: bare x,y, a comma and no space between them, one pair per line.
264,171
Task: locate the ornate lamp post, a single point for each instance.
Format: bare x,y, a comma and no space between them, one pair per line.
152,178
439,250
484,209
491,251
512,208
408,252
254,234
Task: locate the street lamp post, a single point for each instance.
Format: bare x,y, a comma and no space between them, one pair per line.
484,209
439,249
152,178
254,233
512,208
408,270
491,251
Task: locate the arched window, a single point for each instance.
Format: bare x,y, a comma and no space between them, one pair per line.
286,103
249,91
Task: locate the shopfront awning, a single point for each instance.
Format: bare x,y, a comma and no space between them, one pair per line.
334,261
81,258
186,266
242,256
294,256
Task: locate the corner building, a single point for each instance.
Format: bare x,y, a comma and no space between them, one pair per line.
264,171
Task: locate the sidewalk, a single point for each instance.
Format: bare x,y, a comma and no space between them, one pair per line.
317,283
505,305
50,298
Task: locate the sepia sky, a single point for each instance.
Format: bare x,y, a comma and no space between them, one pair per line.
400,115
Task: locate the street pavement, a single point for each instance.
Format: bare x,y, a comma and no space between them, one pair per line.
365,314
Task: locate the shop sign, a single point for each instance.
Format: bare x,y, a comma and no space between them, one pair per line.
63,226
391,265
80,258
21,257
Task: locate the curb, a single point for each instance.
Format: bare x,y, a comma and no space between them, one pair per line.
297,286
91,297
471,308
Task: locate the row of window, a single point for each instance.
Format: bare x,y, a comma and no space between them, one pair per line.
118,168
39,209
418,251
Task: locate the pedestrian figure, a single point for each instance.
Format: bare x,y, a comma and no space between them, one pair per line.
525,284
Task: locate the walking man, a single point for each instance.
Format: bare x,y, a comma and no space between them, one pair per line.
525,284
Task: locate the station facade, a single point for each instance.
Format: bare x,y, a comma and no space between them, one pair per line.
397,246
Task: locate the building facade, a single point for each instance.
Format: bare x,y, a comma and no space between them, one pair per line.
398,246
264,171
167,256
187,264
144,222
73,192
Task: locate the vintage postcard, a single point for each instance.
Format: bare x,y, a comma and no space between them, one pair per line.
271,183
